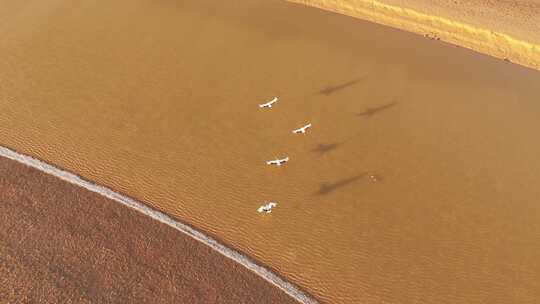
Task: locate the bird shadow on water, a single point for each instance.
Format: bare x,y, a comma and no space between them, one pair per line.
327,188
325,148
376,110
335,88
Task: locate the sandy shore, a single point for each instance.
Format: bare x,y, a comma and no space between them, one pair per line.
504,29
60,243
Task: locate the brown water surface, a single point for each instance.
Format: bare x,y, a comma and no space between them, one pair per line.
417,183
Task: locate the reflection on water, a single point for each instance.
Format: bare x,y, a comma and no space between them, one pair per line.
159,100
375,110
327,188
325,148
332,89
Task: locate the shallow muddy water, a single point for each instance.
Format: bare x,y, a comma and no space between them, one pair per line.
416,183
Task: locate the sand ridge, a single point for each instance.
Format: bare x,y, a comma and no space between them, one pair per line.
506,30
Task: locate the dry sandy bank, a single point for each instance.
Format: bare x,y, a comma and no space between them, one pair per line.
503,29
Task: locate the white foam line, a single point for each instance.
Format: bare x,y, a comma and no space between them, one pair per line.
236,256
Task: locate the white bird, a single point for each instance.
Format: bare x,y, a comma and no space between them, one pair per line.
277,161
269,104
267,208
302,129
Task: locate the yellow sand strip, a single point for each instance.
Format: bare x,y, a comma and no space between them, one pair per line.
483,40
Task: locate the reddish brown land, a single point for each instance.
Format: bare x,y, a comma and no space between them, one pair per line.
60,243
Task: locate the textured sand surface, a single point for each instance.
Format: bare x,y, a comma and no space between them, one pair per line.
504,29
60,243
518,18
158,100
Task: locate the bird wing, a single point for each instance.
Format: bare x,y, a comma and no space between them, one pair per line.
302,129
268,104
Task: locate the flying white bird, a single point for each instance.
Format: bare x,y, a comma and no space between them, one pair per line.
277,161
267,208
268,104
302,129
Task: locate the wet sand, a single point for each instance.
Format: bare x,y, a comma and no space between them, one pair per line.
505,29
60,243
158,100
